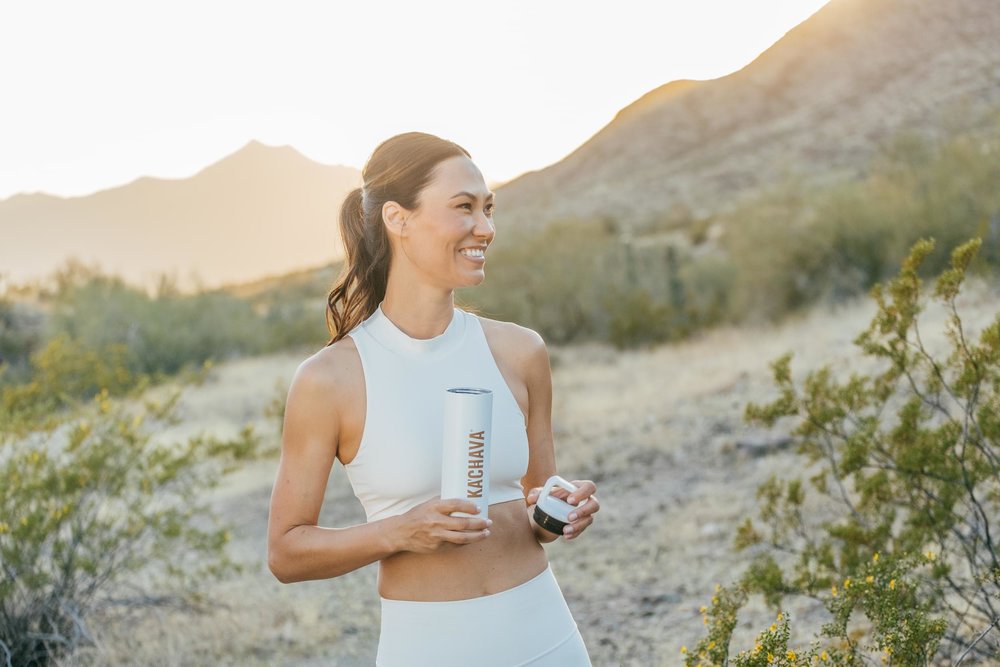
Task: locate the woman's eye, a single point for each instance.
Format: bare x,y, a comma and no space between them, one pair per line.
489,209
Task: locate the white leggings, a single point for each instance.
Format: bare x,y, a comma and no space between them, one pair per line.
529,624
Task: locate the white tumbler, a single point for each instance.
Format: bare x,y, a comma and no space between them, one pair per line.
465,455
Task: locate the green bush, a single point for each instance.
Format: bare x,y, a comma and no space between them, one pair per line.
20,334
63,374
914,499
96,513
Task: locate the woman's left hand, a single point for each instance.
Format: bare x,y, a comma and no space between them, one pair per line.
582,516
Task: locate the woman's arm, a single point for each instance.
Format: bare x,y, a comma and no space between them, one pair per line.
537,375
298,549
542,458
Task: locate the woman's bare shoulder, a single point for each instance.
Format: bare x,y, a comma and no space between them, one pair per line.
334,368
520,342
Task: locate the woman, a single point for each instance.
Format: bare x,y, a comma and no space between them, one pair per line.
373,398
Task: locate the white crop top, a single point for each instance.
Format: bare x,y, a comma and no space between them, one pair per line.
398,464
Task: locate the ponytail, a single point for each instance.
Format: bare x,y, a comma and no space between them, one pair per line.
397,170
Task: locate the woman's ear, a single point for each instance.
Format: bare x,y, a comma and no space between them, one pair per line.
394,217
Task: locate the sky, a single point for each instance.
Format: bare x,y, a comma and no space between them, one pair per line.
98,93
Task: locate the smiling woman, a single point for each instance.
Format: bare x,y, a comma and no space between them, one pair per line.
373,397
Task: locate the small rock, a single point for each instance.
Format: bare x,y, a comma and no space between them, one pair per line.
711,529
762,445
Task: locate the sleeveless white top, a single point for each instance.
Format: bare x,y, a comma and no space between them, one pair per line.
398,464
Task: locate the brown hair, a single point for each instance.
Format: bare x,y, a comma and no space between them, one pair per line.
397,170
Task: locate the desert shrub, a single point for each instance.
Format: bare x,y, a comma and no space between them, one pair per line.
553,281
710,281
913,500
96,513
63,374
795,244
635,318
162,334
20,335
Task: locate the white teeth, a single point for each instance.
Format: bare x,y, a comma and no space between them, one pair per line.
472,252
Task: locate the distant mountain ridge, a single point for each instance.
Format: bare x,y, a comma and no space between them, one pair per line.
262,210
815,104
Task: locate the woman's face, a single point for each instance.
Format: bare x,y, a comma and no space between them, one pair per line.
444,239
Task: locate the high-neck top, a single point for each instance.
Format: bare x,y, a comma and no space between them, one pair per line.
391,337
398,463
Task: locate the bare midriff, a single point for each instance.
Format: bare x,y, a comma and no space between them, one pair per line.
508,556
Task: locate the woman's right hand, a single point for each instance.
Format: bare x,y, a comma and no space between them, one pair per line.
429,528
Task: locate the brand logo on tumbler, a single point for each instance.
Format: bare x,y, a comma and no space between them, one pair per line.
477,441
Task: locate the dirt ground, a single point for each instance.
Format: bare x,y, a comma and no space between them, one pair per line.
655,429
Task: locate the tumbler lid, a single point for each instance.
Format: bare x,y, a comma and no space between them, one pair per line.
556,507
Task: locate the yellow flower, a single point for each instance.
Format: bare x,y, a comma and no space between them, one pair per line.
869,579
24,521
3,528
779,615
824,656
703,609
704,620
715,600
684,649
774,627
790,655
718,587
875,557
770,657
711,645
930,555
892,584
833,589
847,583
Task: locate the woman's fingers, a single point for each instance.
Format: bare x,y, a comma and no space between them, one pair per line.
581,517
470,523
466,536
584,489
575,528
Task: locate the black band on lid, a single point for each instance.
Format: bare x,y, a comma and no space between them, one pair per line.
549,523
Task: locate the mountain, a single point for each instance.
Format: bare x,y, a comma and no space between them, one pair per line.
815,105
262,210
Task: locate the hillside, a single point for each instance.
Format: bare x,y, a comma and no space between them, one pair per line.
815,104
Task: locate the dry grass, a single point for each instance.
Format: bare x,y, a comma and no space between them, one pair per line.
655,429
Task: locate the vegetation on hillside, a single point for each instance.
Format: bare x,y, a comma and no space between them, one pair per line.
788,248
580,279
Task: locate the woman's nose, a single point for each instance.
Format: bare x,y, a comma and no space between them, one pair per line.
485,226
